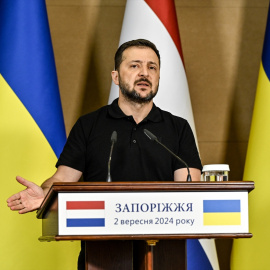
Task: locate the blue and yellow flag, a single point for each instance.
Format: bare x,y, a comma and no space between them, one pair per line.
221,212
250,254
32,132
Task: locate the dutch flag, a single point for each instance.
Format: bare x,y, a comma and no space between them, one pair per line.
85,213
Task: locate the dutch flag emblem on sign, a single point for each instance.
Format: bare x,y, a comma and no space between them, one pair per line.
85,213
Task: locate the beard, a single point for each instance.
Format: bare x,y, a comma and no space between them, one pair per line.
133,95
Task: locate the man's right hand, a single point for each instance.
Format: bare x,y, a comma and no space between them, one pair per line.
27,200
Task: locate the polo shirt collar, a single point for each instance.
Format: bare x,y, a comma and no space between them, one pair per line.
115,112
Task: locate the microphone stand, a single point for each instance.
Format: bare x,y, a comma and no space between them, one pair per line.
113,140
152,137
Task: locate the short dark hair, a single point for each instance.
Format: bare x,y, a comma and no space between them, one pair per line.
118,58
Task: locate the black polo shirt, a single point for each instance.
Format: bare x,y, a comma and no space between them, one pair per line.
135,157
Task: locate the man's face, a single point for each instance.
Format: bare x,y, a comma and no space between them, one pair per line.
138,75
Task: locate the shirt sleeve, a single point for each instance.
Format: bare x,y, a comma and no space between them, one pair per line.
74,152
188,150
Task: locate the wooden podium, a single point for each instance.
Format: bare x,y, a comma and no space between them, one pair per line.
143,225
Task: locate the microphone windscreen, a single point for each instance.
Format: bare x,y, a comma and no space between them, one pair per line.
114,137
150,135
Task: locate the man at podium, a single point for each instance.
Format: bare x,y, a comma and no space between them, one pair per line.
135,157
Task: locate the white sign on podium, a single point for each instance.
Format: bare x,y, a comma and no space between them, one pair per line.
152,213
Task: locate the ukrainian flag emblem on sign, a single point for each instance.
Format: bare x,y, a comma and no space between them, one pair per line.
221,212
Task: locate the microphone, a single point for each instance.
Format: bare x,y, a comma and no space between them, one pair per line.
152,137
113,140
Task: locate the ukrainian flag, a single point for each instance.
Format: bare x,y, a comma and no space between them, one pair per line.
32,132
250,254
221,212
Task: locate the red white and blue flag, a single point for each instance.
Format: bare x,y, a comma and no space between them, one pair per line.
85,213
156,20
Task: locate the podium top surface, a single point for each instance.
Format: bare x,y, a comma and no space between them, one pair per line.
151,186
